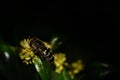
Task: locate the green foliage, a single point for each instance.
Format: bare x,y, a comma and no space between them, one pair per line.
63,76
42,68
12,68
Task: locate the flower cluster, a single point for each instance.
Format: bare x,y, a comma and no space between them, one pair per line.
59,60
28,57
26,53
76,67
73,68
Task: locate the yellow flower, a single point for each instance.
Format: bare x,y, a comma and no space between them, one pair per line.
25,43
72,75
59,60
47,45
59,69
76,67
26,53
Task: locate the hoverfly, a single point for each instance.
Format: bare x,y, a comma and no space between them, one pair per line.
40,49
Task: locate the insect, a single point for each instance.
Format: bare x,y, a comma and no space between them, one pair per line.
40,49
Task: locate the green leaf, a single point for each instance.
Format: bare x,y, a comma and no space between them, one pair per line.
11,66
98,70
7,52
43,68
63,76
101,69
55,42
8,62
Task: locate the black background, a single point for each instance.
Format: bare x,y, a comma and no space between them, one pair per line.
86,24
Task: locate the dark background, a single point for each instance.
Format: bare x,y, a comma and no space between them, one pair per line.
86,25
